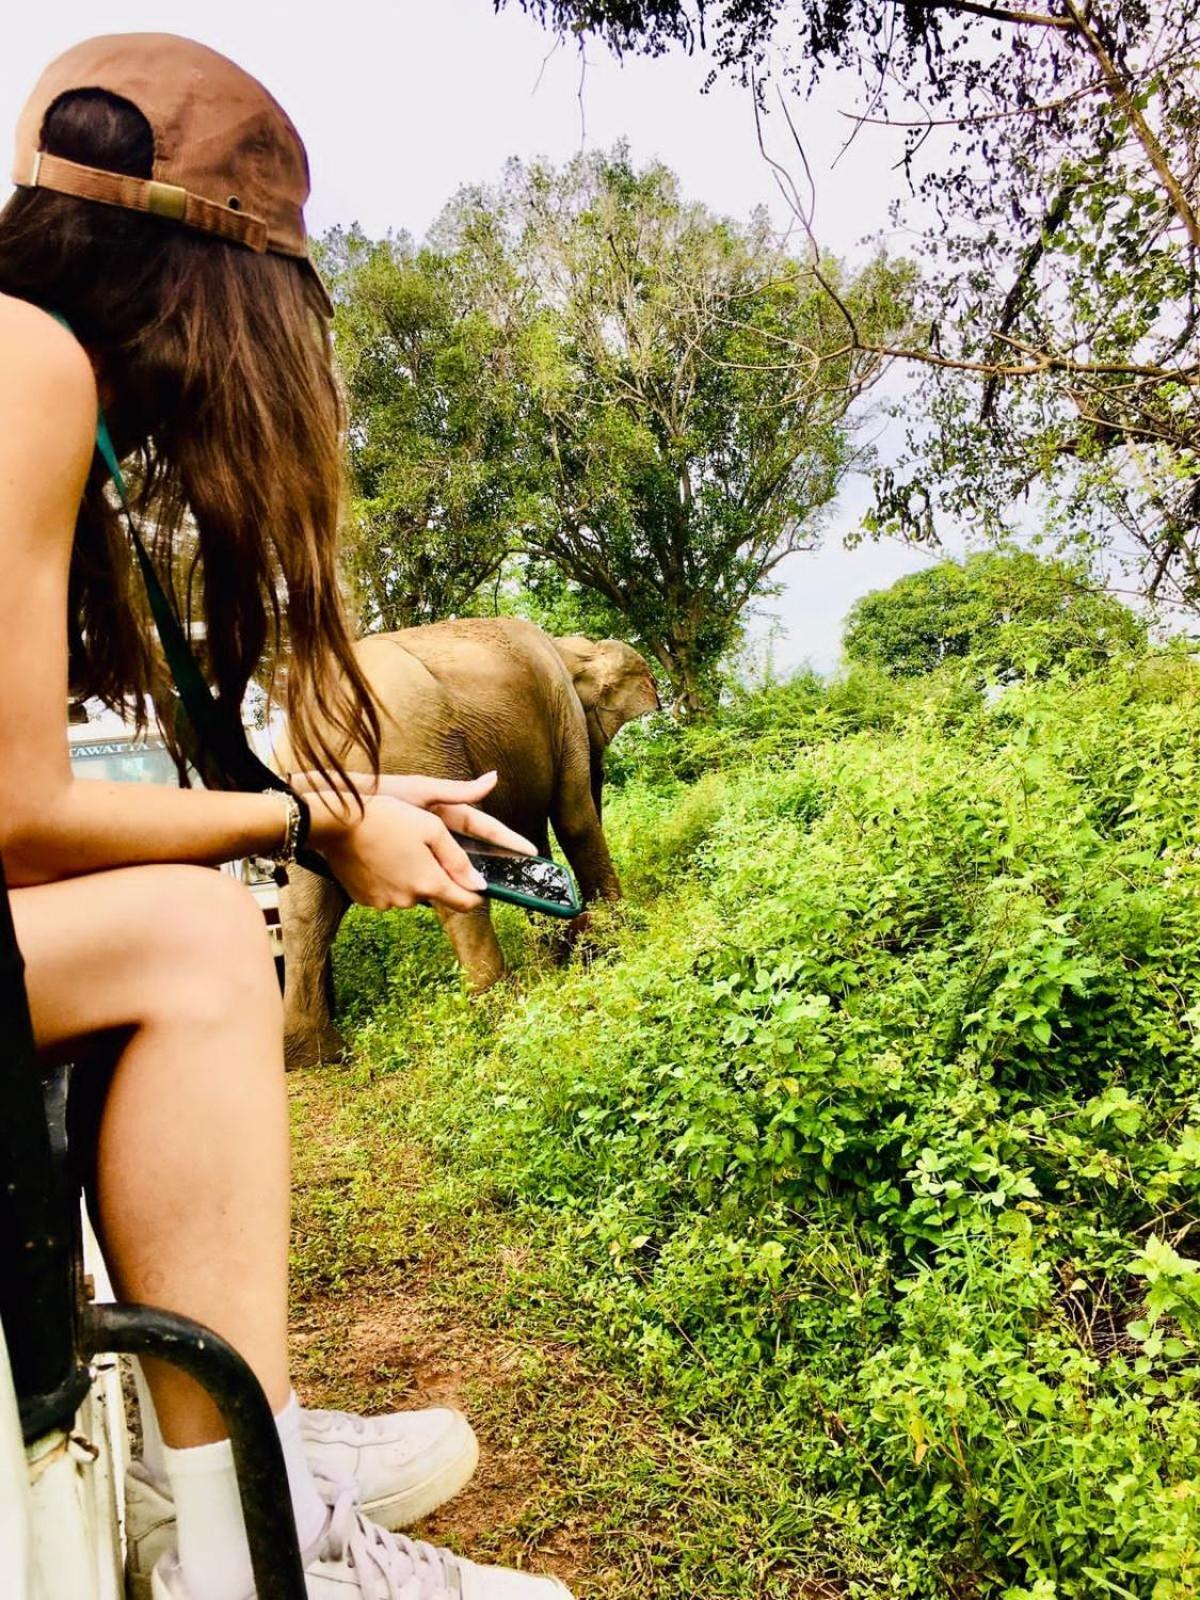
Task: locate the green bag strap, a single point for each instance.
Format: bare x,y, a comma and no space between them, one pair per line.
193,692
235,761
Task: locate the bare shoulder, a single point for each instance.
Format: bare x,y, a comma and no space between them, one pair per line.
31,337
47,393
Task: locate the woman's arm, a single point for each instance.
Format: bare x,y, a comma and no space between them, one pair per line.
52,826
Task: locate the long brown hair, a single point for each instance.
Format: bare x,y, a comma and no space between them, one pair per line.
215,364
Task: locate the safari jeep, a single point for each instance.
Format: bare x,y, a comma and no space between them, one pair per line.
62,1413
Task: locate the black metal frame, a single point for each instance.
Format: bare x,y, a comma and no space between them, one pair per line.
246,1412
51,1332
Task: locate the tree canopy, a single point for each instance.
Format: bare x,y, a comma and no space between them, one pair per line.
1005,609
432,444
1054,148
738,28
677,456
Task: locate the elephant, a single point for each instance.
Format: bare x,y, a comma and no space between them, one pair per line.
456,699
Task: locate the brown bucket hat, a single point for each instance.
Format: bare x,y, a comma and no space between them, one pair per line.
227,158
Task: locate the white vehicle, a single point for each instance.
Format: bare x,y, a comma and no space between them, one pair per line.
63,1441
107,748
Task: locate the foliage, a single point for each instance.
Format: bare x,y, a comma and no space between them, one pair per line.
1066,283
868,1140
1054,149
1004,610
677,459
737,28
431,440
537,590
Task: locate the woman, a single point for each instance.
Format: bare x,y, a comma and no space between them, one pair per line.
159,216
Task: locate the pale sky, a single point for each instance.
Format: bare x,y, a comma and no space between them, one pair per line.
401,103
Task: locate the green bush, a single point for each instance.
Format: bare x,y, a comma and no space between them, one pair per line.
876,1140
664,832
364,957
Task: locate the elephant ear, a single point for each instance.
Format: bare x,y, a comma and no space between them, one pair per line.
585,661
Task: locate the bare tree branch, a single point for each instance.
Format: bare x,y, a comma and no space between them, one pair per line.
1033,19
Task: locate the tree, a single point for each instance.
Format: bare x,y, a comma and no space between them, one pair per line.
682,455
736,29
1056,146
1003,609
431,442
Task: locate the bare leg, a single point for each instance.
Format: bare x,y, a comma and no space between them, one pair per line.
193,1160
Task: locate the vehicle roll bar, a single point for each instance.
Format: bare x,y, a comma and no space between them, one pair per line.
52,1332
39,1283
245,1411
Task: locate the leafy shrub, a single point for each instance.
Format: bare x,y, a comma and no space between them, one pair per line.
664,833
364,957
878,1142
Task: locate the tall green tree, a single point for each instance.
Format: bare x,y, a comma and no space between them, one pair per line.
682,453
1055,147
432,447
1003,609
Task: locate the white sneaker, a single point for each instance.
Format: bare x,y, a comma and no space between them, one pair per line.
356,1560
405,1465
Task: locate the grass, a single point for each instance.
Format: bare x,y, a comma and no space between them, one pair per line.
823,1228
581,1474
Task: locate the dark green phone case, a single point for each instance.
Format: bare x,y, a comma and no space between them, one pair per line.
552,908
479,851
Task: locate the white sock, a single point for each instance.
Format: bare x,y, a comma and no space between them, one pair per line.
213,1552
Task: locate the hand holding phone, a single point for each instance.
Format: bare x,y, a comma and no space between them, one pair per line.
535,882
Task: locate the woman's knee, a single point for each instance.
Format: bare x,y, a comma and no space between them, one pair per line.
211,945
139,945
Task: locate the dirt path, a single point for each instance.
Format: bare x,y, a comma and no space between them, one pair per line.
579,1474
385,1350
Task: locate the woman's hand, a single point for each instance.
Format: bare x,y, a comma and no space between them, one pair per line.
395,854
456,804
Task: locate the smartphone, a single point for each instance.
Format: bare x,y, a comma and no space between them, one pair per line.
535,882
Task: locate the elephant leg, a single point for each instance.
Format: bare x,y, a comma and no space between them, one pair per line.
311,910
577,827
476,946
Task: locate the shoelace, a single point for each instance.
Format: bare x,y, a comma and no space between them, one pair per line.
408,1568
331,1421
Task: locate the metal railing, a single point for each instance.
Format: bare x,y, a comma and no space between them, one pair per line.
52,1332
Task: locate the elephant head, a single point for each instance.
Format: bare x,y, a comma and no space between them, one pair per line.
614,684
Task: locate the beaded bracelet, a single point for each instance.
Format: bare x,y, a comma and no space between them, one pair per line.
295,834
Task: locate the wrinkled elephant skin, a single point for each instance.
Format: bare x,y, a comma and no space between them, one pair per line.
457,699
